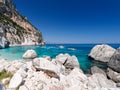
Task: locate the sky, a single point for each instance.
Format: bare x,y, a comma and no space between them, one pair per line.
74,21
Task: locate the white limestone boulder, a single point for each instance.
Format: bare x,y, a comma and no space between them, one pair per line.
45,64
114,62
96,69
115,76
36,80
30,54
102,53
14,66
98,81
15,81
61,58
23,88
75,78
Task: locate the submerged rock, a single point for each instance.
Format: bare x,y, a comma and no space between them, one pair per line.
114,62
30,54
102,53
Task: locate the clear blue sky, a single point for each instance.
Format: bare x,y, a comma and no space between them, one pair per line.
74,21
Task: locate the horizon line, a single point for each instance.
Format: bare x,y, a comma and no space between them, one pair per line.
80,43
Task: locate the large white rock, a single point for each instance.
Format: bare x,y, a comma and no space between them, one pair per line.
53,84
67,59
115,76
75,78
102,53
36,80
30,54
46,64
14,66
98,81
72,62
69,62
3,64
96,69
61,58
75,87
48,58
15,81
23,88
114,62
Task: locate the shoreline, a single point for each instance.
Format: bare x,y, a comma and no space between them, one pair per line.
63,72
50,70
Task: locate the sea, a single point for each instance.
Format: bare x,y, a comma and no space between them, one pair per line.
81,51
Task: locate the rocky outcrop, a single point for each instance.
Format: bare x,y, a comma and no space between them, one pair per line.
44,64
102,53
15,81
75,80
95,69
30,54
9,3
100,82
69,62
113,71
40,74
17,30
3,42
115,76
114,62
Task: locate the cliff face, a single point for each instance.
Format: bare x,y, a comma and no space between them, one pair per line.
16,29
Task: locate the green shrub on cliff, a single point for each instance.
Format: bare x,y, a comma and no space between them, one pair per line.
7,21
5,74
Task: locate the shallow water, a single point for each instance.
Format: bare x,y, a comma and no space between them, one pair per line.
79,50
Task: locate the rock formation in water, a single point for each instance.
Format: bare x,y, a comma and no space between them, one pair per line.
107,54
114,62
113,70
102,53
15,29
30,54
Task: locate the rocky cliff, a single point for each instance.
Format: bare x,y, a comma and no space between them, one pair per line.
15,29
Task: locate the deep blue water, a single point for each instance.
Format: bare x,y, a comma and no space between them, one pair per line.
80,50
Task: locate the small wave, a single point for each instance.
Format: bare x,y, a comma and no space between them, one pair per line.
43,47
72,49
61,47
51,47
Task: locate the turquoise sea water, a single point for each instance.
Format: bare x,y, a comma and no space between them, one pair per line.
80,50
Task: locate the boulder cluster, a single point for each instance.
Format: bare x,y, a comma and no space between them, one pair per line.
60,73
111,56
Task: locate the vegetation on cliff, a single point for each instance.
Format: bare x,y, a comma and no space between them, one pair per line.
15,28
